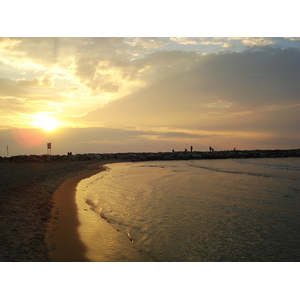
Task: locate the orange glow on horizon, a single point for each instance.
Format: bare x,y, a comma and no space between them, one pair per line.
29,137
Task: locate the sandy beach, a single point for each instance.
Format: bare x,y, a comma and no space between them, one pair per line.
62,236
37,201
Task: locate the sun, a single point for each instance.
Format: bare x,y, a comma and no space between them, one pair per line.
44,121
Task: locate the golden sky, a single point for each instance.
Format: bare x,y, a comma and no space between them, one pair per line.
118,94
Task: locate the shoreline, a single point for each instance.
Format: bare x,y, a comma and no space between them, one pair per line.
26,204
30,198
62,236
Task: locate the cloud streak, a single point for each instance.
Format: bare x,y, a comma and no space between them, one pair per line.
214,84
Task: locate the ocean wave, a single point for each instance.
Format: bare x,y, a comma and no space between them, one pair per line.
269,166
228,171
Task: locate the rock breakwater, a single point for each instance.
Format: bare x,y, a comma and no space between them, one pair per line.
150,156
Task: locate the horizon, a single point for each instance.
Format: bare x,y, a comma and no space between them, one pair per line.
212,154
48,151
120,95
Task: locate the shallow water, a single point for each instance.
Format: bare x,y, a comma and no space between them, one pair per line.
196,210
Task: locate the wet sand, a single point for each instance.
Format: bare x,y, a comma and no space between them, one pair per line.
62,237
30,201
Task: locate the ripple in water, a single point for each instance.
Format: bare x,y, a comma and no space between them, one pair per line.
201,210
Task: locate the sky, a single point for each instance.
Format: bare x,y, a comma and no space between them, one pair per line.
121,94
96,79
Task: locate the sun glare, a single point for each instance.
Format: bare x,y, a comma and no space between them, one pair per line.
44,121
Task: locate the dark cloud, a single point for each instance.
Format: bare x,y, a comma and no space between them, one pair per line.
20,87
41,50
213,88
101,134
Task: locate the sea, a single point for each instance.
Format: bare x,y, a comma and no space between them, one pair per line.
217,210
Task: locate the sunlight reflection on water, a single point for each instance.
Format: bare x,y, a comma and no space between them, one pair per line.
216,210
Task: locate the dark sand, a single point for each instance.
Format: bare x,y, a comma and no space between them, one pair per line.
35,195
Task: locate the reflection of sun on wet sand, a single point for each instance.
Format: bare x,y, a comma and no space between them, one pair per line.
104,240
62,236
39,217
26,191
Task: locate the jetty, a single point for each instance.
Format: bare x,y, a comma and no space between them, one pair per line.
152,156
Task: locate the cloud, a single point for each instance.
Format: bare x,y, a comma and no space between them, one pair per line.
27,89
204,41
139,45
255,41
297,39
229,45
119,74
226,42
187,40
21,98
28,52
214,94
109,67
96,76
